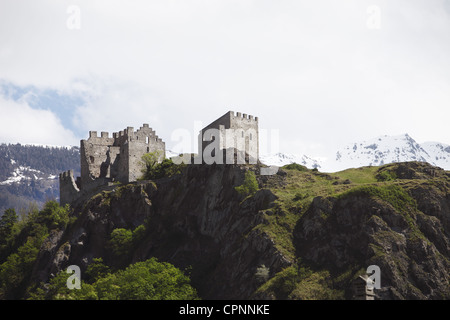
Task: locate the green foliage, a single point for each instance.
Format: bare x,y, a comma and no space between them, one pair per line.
7,221
124,240
153,169
300,282
57,290
295,166
285,281
150,161
147,280
300,196
358,175
22,245
392,194
96,270
386,175
139,234
53,215
250,185
14,272
121,241
316,287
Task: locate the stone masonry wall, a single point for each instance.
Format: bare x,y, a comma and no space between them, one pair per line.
94,157
68,189
118,158
244,135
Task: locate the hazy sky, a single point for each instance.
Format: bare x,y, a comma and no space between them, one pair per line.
322,72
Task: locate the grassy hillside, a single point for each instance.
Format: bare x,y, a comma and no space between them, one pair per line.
399,187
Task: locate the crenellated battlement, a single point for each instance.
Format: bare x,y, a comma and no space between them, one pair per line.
240,115
235,130
116,158
109,158
143,134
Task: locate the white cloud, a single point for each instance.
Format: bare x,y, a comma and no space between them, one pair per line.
114,106
309,68
19,123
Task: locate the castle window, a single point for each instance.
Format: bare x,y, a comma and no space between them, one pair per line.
242,134
147,140
91,158
250,136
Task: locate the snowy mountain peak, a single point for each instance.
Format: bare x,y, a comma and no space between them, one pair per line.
381,150
373,152
281,159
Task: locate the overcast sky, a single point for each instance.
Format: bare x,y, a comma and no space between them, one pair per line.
324,73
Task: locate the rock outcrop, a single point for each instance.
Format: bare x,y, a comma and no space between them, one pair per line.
195,220
408,240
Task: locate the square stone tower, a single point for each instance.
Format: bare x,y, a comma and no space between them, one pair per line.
237,132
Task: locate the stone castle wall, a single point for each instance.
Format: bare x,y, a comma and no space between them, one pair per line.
235,131
68,189
107,159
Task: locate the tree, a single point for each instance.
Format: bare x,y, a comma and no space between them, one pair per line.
147,280
250,185
96,270
121,241
7,221
53,215
124,241
153,169
150,161
57,290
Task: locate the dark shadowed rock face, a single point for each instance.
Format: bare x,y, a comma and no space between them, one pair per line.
196,220
410,244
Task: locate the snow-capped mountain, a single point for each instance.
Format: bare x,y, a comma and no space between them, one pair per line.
373,152
281,159
21,173
389,149
29,173
439,154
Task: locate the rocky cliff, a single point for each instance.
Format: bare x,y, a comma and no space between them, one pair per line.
326,229
194,220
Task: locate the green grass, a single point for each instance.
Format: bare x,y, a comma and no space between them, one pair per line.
303,185
298,282
391,193
359,175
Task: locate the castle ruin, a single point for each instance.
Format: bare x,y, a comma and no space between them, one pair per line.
236,135
106,159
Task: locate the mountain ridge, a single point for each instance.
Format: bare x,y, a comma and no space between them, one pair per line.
29,173
372,152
